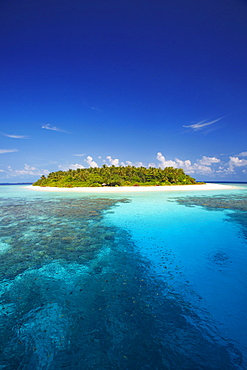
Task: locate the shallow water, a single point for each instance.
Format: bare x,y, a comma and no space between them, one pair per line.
124,281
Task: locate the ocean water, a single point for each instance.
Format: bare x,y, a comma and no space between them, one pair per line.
123,281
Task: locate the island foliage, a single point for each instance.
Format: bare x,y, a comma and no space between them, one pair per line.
116,176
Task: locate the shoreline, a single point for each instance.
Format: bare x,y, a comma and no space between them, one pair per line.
135,189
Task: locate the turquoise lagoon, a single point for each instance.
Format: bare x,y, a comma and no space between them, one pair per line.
123,281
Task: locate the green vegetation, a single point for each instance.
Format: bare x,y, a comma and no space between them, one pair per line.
116,176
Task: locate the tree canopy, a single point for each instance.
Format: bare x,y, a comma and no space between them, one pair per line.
116,176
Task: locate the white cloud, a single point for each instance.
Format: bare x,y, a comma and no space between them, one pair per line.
186,165
190,168
200,125
2,151
183,164
197,168
79,155
30,170
54,128
90,161
129,163
207,161
243,154
26,171
75,166
235,161
66,167
226,170
113,162
116,162
231,165
139,164
164,163
16,136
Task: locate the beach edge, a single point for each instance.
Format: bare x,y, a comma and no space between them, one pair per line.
135,189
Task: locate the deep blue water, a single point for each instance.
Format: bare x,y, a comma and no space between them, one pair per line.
124,281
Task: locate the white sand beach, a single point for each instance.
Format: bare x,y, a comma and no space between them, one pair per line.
136,189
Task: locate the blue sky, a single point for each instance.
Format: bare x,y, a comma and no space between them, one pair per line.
161,83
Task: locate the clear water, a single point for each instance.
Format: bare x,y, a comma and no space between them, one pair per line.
124,281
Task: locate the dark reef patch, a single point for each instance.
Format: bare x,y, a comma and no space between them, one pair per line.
217,202
40,231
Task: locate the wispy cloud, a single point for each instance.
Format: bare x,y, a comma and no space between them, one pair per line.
79,155
54,128
242,154
95,108
200,125
2,151
15,136
25,171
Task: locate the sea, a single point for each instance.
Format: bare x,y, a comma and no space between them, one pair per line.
150,280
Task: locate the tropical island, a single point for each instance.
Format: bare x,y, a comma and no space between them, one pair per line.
116,176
